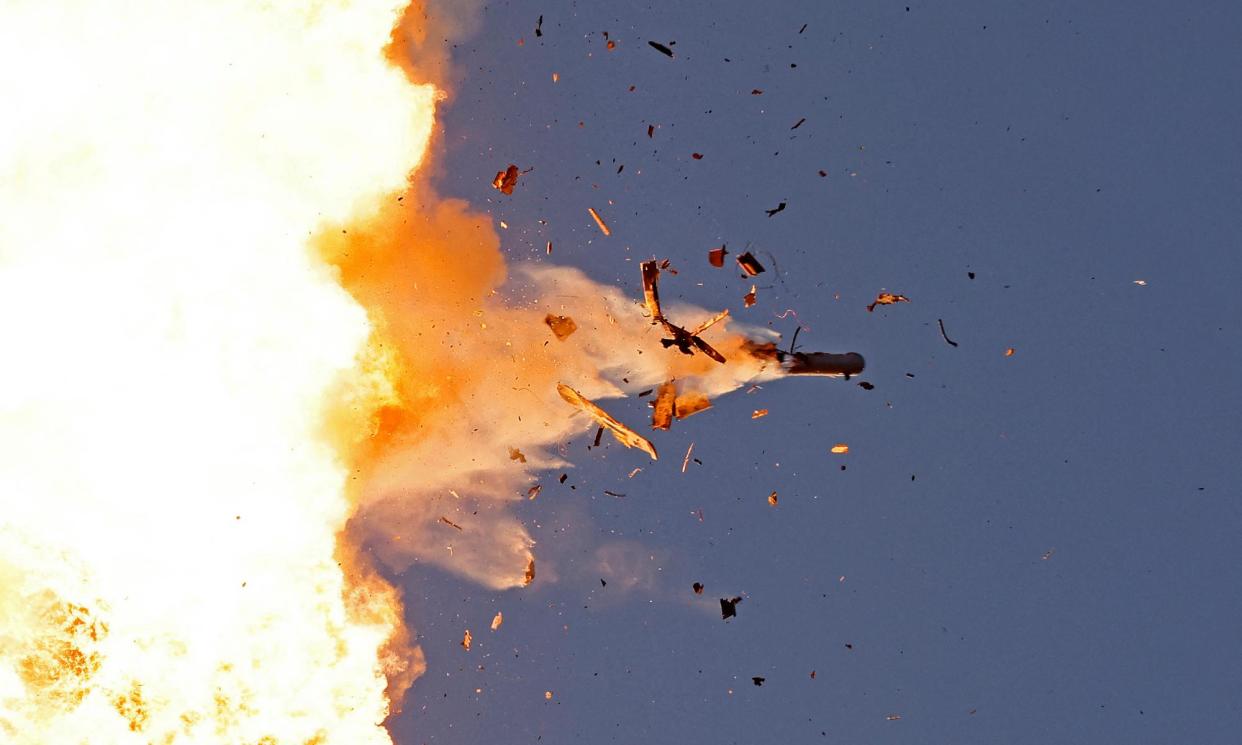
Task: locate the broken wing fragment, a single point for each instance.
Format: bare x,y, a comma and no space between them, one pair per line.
624,434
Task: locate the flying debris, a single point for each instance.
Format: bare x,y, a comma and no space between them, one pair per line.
515,454
603,226
840,448
758,413
662,416
466,639
562,326
750,298
530,573
507,179
685,341
758,680
661,48
728,607
449,523
749,263
715,256
697,587
778,208
808,363
772,499
690,403
498,620
887,298
622,433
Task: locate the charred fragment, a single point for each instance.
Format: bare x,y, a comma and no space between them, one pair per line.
750,264
715,256
661,48
728,607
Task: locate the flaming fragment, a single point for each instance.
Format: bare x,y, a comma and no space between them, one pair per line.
715,256
887,298
690,403
497,620
505,180
749,263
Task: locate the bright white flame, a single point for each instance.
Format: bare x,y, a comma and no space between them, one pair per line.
167,515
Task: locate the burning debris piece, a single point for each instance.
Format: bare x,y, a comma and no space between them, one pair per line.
690,403
685,341
887,298
758,413
840,448
624,434
773,499
750,298
450,523
809,363
466,638
517,455
530,573
715,256
749,264
507,179
562,326
603,226
498,620
662,416
728,607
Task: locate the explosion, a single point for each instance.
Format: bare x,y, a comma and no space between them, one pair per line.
249,346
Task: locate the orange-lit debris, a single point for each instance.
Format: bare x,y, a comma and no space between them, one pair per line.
715,256
662,416
685,462
704,326
651,290
533,492
515,454
622,433
547,695
603,226
749,263
635,472
772,499
749,298
690,403
728,607
685,341
497,620
840,448
892,717
1009,352
758,413
887,298
466,638
562,326
449,522
549,248
505,180
530,573
808,363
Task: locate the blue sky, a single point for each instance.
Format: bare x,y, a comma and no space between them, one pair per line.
1026,549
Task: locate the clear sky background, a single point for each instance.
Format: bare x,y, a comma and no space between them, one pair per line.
1040,548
